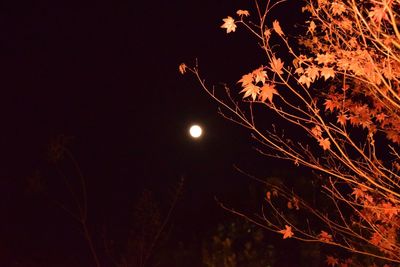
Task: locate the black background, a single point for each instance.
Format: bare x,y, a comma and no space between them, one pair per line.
106,74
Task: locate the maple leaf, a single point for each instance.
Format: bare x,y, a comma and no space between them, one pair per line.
337,8
251,90
277,65
267,92
299,71
375,239
312,73
304,79
354,120
316,131
369,199
243,13
246,79
267,34
325,58
327,73
325,143
325,237
287,232
330,105
311,27
342,118
277,28
380,117
260,75
331,261
229,24
389,210
378,13
182,68
346,24
358,193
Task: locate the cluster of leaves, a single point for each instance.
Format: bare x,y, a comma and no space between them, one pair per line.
341,88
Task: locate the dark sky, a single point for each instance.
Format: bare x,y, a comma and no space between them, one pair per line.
106,73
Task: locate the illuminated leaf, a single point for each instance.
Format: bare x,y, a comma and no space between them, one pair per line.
267,34
277,65
331,261
243,13
267,92
304,79
325,143
259,75
312,72
182,68
327,73
325,58
287,232
311,27
342,119
251,90
337,8
316,131
331,105
325,237
229,24
277,28
389,209
378,13
246,79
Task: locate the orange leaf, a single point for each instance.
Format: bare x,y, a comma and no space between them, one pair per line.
316,131
287,232
251,90
260,75
325,237
325,143
312,72
337,8
267,92
325,58
182,68
389,209
378,13
358,193
305,80
243,13
327,73
277,65
342,118
331,261
229,24
277,28
331,105
376,238
246,79
311,27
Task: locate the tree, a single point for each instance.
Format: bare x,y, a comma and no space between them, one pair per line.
336,83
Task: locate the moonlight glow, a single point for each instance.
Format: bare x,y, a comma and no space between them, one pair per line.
195,131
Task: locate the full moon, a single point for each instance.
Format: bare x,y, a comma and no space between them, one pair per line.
195,131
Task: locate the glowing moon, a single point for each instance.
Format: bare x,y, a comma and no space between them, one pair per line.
195,131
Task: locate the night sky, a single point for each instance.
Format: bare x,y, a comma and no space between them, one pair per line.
105,75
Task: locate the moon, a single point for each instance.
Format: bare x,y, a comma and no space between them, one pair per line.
195,131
